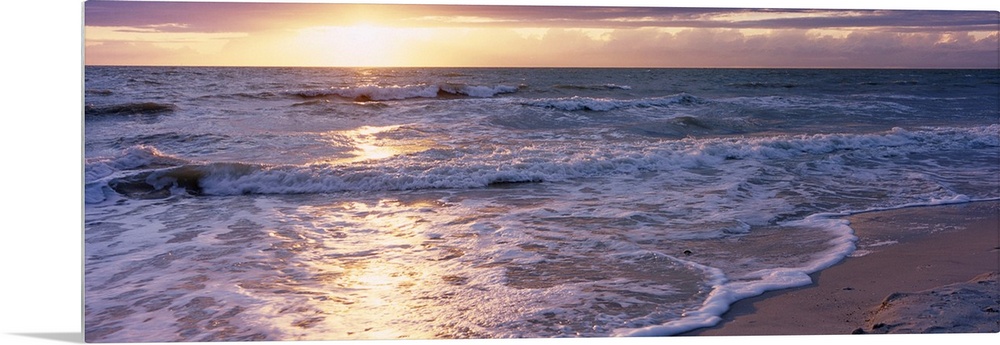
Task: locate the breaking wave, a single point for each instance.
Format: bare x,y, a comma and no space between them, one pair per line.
155,175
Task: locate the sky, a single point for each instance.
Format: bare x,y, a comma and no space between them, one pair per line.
596,35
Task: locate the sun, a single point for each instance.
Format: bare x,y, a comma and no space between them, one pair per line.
367,44
360,45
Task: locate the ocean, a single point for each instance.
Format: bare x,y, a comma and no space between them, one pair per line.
238,203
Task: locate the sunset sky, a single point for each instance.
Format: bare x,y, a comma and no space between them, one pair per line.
329,34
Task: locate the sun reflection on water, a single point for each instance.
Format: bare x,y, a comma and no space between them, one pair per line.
377,279
367,145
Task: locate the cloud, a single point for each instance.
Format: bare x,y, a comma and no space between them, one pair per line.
802,48
563,36
701,47
138,54
908,20
221,16
215,16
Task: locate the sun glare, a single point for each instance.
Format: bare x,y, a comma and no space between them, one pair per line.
361,45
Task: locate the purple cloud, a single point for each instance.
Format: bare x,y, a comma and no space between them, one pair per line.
227,16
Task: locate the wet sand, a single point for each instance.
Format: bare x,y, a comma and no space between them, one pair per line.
932,280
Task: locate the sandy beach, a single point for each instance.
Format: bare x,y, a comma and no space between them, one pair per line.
941,278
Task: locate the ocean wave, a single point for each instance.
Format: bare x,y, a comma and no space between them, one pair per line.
593,87
195,141
763,85
248,178
893,82
463,170
97,171
99,92
577,103
684,126
255,95
138,108
396,92
243,96
133,158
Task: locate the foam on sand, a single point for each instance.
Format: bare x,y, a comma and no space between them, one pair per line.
912,286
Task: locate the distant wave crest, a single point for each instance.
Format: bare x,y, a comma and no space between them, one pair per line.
138,108
577,103
396,92
593,87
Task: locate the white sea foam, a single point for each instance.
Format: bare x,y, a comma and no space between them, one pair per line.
726,292
135,157
479,91
474,169
97,171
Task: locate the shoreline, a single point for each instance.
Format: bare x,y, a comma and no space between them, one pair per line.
903,252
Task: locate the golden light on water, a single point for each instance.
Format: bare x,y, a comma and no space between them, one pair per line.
375,152
366,145
371,270
386,289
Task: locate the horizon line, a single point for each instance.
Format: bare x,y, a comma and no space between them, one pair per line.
557,67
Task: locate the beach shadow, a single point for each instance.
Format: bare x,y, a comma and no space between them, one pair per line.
68,337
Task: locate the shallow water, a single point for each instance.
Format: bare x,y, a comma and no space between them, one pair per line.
227,204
